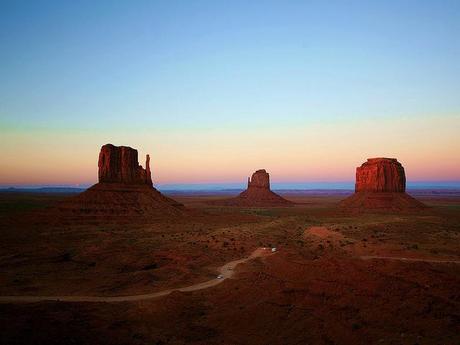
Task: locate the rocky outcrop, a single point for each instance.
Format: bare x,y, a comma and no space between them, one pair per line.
260,179
119,164
258,194
124,189
380,175
380,186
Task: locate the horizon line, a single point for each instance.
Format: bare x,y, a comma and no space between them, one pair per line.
240,185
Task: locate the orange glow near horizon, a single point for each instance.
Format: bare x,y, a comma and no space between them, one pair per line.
427,147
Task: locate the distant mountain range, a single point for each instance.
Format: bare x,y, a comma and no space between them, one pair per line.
64,190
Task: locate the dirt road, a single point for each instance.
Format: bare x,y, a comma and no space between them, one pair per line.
370,257
226,271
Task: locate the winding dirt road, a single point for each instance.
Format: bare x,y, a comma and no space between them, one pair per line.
371,257
225,272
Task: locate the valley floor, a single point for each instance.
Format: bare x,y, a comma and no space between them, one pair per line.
336,278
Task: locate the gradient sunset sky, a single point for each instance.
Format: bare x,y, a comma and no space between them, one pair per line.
214,90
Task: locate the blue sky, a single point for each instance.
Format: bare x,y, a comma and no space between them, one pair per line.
200,63
116,66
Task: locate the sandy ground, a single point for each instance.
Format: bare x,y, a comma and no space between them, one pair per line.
337,278
225,272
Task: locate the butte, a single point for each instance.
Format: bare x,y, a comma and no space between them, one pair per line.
258,194
380,186
124,189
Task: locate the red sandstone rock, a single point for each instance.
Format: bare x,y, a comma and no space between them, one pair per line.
121,200
119,164
124,189
260,179
380,175
258,194
381,202
380,186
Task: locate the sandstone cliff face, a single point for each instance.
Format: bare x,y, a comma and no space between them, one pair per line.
260,179
380,186
380,175
119,164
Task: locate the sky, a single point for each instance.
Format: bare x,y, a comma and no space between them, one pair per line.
214,90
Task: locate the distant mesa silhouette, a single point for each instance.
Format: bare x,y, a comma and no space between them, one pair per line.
257,194
124,189
381,185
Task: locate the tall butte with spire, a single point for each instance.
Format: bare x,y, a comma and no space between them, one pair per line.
381,185
119,164
124,189
257,194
